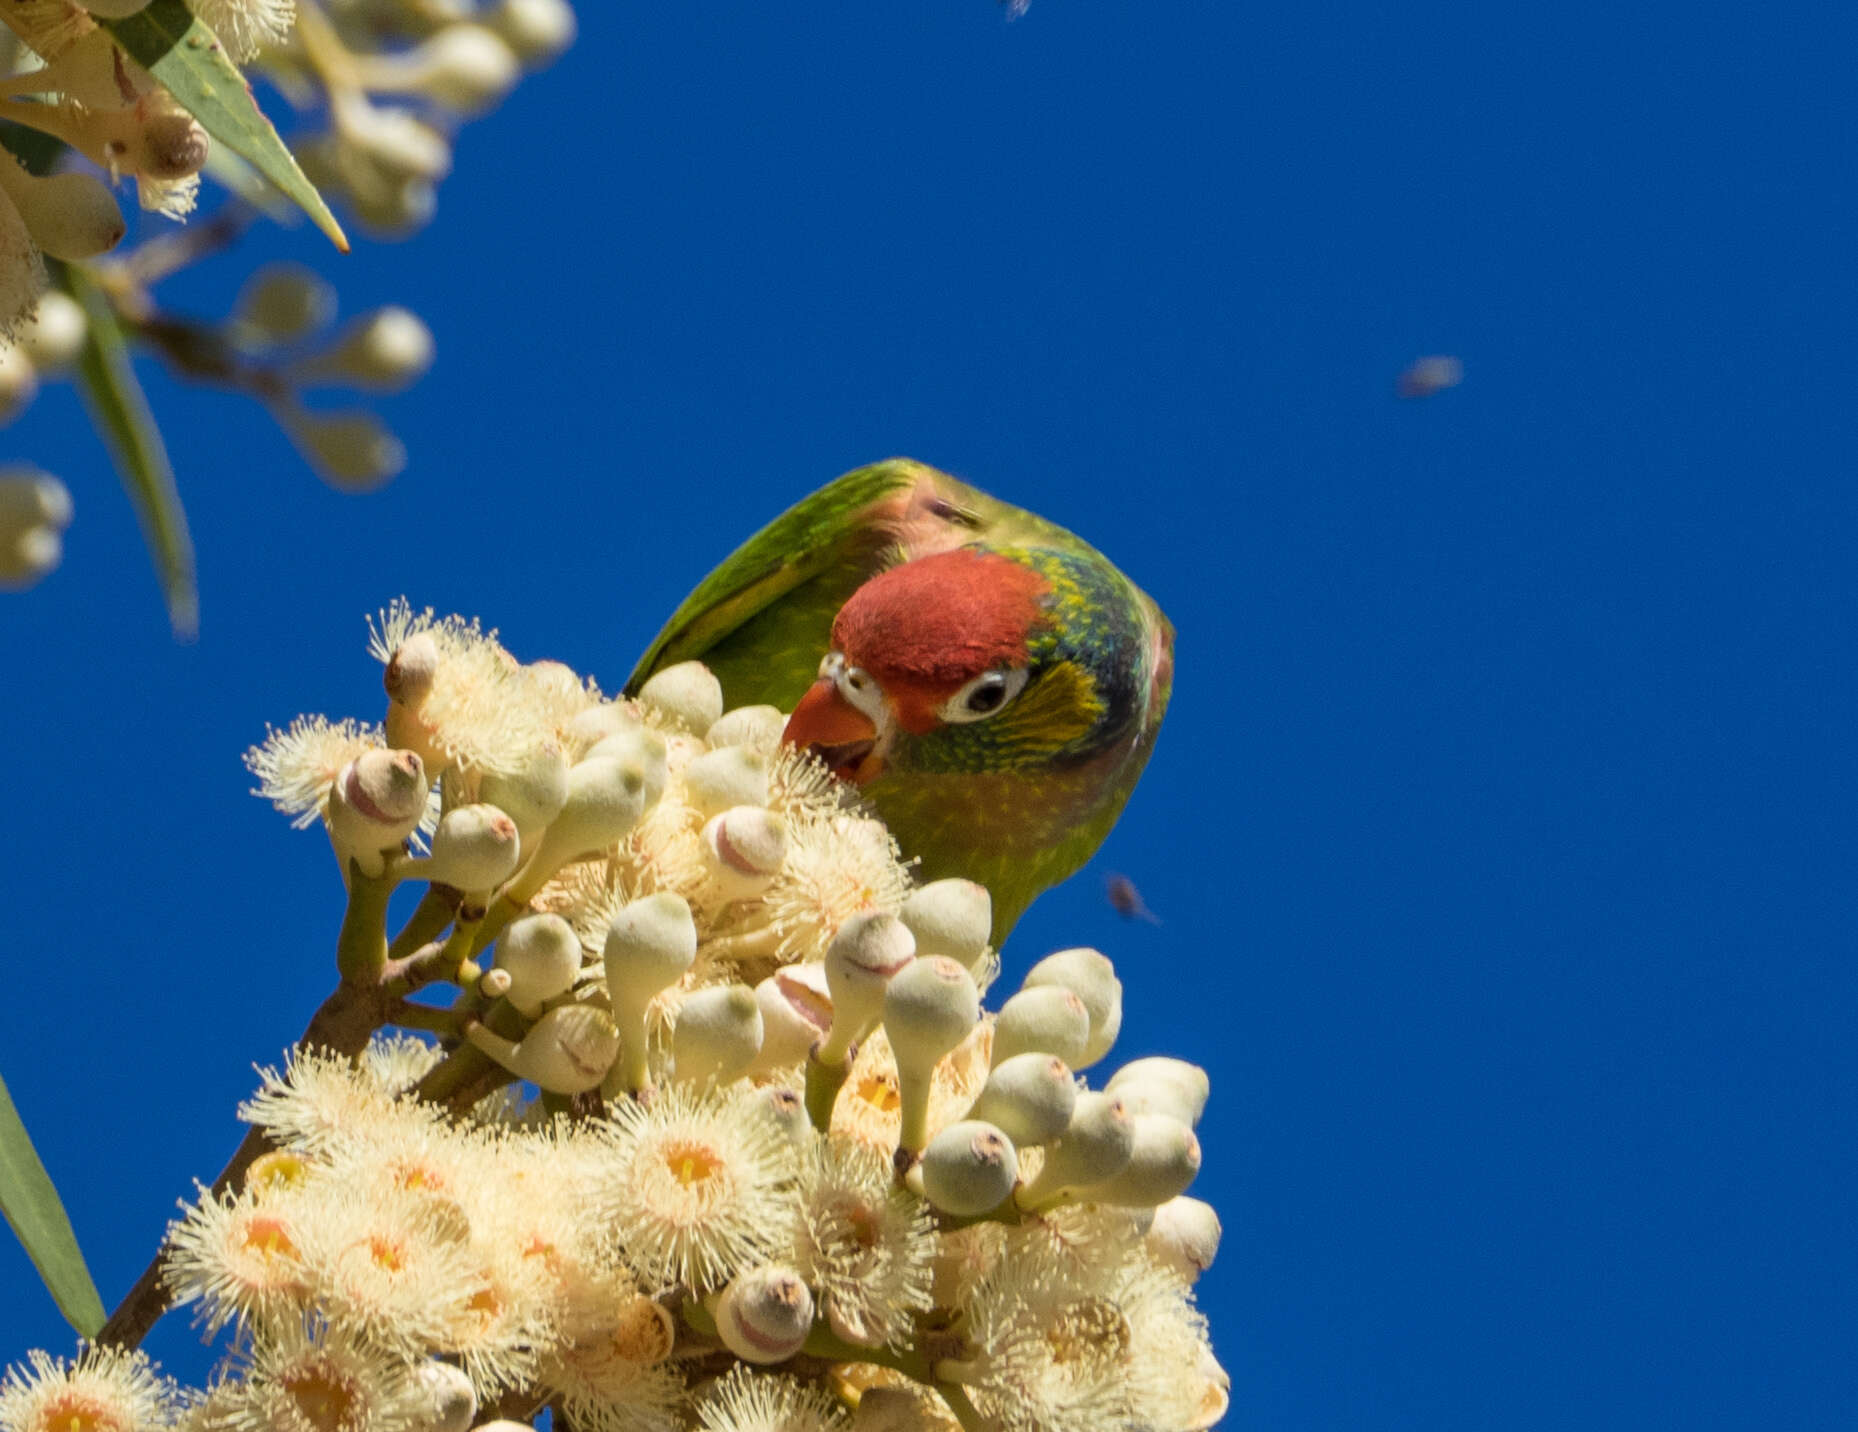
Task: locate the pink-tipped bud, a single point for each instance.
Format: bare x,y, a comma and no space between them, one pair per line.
796,1012
543,956
378,800
1095,1146
1163,1160
687,693
717,1035
1049,1020
1089,975
731,776
867,952
930,1006
950,917
968,1168
744,848
756,727
765,1314
475,849
1159,1085
1184,1236
1030,1096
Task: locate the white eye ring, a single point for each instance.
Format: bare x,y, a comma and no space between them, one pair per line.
986,695
856,686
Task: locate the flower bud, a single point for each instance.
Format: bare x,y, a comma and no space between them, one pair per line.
650,943
536,30
969,1168
586,729
1162,1162
641,747
1184,1236
744,846
352,452
384,351
605,800
888,1409
930,1006
54,335
566,1051
394,143
1030,1096
731,776
756,727
410,670
467,68
31,498
687,692
475,849
71,215
796,1011
28,557
283,302
543,956
1160,1085
765,1314
169,144
494,984
378,800
867,951
19,380
950,917
1095,1146
788,1111
717,1035
532,793
1092,978
1042,1021
449,1402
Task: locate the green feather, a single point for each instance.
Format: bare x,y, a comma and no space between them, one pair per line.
1017,802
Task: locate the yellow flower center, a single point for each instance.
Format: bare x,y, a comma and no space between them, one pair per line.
328,1401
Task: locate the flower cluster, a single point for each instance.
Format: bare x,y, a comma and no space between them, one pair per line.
716,1135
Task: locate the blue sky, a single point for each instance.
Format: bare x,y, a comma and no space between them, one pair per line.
1501,829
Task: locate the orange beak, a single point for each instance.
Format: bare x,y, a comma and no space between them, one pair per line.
836,731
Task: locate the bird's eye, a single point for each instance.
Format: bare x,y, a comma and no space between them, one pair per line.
984,696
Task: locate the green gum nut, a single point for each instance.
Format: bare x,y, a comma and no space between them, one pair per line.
638,746
1090,975
717,1035
378,800
605,800
796,1012
867,952
731,776
567,1051
969,1168
1163,1160
1051,1020
449,1402
542,956
952,918
687,693
1160,1085
1096,1145
1184,1236
475,849
533,793
765,1314
744,848
930,1006
756,727
1030,1097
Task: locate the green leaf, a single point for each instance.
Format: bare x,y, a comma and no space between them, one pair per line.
167,41
107,380
32,1209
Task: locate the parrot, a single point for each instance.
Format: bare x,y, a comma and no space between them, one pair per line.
991,683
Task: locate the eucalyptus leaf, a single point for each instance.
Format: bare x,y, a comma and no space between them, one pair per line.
107,380
35,1215
168,41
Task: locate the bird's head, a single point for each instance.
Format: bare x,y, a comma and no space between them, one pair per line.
975,660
